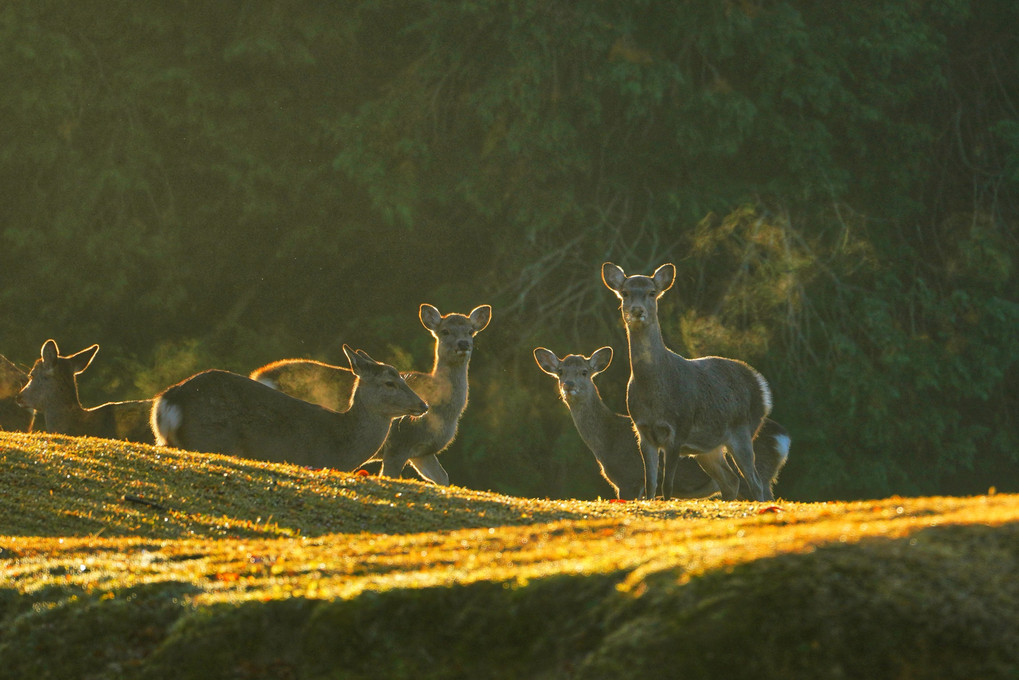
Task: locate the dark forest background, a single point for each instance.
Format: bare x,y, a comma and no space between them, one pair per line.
199,184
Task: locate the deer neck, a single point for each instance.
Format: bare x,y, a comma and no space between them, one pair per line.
362,429
595,422
66,414
647,347
447,383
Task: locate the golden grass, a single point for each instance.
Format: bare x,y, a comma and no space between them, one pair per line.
165,540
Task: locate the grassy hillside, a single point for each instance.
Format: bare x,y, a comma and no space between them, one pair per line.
124,561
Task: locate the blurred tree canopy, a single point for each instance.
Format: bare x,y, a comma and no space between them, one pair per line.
222,184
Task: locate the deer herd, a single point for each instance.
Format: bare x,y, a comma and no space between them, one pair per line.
693,428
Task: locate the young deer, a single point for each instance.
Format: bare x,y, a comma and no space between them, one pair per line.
52,390
13,416
222,412
609,435
611,439
700,407
417,440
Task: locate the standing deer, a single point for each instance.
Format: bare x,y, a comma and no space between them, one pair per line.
222,412
700,407
610,435
52,390
417,440
13,416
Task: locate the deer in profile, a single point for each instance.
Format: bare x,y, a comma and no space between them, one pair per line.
413,439
52,390
13,416
610,436
222,412
700,407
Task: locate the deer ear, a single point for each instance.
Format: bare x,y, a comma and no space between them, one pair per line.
664,276
480,316
49,351
613,276
430,317
81,360
547,360
600,360
359,359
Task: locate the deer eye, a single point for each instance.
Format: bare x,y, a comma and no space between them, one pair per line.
583,374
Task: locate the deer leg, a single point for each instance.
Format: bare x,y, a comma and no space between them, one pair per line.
393,461
431,469
650,455
672,464
714,463
741,448
690,481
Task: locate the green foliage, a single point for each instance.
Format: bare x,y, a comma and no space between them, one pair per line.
229,184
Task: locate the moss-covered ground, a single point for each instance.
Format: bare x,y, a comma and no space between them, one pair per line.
125,561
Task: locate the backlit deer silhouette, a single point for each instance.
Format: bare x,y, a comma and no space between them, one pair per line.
222,412
611,438
52,390
13,416
414,439
701,407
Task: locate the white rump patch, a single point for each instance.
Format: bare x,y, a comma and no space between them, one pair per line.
166,420
782,443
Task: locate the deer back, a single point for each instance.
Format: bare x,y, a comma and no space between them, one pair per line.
309,380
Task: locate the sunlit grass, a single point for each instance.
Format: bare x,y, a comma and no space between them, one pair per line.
91,526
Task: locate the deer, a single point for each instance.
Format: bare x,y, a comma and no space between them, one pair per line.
13,416
701,407
416,440
52,390
611,438
222,412
609,435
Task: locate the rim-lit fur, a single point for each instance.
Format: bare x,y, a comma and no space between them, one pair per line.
52,390
414,440
222,412
703,407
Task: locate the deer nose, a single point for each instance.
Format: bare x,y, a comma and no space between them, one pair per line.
464,345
